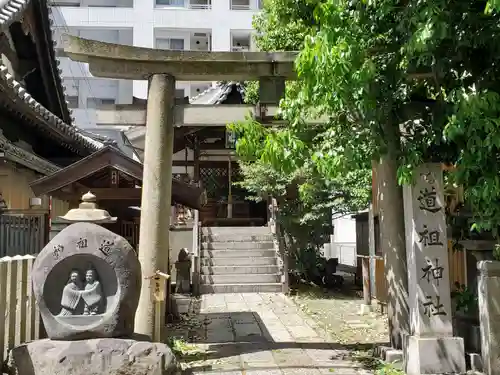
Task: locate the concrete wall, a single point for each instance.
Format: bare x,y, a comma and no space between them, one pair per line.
17,304
142,23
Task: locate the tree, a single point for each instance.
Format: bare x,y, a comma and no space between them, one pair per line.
305,217
401,83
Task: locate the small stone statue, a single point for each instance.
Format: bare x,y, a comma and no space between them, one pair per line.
183,269
71,295
92,295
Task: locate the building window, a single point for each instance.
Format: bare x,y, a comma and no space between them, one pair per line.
171,3
173,44
200,4
240,4
70,3
97,102
72,101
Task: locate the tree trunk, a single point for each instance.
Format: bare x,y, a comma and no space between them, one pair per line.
392,240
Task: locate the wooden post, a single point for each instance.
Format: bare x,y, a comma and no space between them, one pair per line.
366,307
371,247
196,157
229,192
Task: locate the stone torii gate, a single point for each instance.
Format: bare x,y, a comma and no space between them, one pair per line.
163,68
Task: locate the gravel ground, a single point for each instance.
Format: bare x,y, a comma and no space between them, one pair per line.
338,314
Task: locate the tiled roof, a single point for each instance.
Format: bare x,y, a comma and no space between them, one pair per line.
71,132
11,11
216,94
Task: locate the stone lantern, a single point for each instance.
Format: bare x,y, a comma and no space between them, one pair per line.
87,212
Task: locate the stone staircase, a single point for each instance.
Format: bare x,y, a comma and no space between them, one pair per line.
238,260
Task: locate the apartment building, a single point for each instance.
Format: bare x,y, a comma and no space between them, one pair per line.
201,25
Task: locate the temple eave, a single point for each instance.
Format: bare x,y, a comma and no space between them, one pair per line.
25,158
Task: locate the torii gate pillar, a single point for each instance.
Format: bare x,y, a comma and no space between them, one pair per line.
156,193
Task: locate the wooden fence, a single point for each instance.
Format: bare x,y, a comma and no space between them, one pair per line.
21,318
23,232
456,263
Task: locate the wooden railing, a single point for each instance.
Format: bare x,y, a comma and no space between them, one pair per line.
279,246
23,232
20,314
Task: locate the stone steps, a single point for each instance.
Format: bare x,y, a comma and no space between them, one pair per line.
240,288
251,278
240,269
239,261
238,237
236,245
252,231
247,253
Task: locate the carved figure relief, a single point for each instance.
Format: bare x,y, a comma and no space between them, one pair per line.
92,295
79,299
71,294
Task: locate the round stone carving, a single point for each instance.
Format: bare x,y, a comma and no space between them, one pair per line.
87,282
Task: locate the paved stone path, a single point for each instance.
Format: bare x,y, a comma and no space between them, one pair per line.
264,334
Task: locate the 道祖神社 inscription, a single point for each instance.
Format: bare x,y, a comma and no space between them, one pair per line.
429,287
87,282
430,346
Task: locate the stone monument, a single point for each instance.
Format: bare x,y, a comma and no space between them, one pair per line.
181,300
489,315
431,347
86,282
183,272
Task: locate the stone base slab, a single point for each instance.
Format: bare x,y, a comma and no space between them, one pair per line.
365,309
475,362
109,356
433,355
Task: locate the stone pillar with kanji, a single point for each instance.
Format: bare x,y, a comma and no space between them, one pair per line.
430,348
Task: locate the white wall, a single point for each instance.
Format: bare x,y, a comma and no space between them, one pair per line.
344,229
343,241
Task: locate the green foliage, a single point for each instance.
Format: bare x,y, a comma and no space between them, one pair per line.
281,26
304,218
269,159
465,300
416,79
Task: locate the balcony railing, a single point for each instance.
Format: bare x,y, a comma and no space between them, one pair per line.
199,6
184,4
240,6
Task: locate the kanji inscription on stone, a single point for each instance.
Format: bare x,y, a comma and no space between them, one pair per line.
105,247
433,270
430,237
